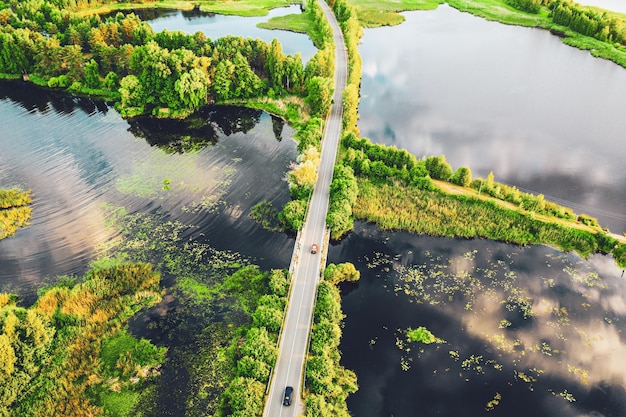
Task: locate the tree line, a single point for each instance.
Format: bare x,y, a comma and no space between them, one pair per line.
420,206
328,383
253,351
601,25
348,19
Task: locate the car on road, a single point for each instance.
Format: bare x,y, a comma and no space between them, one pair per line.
288,396
314,248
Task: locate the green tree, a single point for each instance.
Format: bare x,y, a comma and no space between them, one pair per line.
320,95
269,317
111,81
350,106
245,83
92,75
278,282
462,177
131,93
244,397
224,73
249,367
292,215
293,73
341,272
324,335
7,357
275,65
193,87
438,168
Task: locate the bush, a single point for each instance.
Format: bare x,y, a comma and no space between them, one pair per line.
438,168
292,216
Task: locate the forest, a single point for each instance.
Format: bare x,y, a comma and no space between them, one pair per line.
167,74
70,352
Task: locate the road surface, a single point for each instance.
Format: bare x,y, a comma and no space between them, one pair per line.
289,370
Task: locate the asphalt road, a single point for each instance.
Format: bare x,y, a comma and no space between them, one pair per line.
289,370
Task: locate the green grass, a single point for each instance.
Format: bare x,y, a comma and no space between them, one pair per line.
499,11
119,404
239,7
244,7
300,23
112,7
374,13
436,213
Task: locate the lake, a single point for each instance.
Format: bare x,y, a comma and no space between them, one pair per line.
79,155
613,5
542,116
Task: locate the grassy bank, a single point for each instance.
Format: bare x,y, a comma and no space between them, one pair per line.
15,211
373,14
437,213
239,8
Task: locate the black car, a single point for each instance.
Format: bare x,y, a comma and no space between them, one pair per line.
288,395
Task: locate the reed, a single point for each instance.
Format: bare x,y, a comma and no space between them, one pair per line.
394,206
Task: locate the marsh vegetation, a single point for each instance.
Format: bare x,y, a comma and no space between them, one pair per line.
15,210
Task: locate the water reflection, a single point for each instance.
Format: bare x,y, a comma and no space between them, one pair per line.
77,154
199,130
526,331
542,116
35,99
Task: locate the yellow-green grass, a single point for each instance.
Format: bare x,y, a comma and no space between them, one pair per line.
293,109
460,212
113,7
229,7
15,211
244,7
300,23
498,10
374,13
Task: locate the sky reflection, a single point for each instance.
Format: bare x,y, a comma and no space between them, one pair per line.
516,101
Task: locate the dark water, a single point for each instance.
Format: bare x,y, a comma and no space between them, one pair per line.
216,26
541,331
78,155
543,116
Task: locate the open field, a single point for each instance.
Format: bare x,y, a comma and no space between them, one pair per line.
238,7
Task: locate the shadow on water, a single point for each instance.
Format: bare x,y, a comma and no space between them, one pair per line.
201,129
34,98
